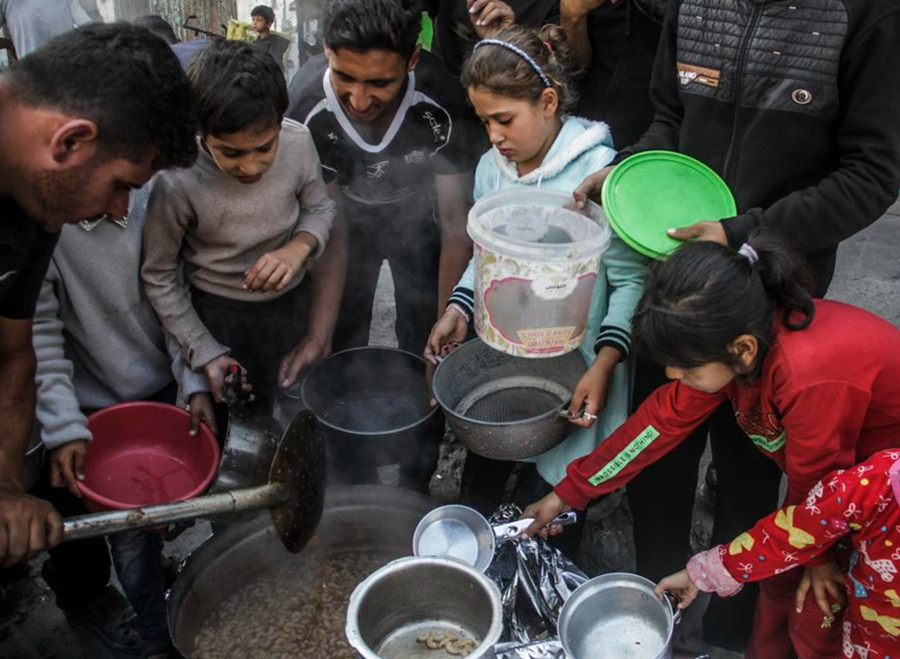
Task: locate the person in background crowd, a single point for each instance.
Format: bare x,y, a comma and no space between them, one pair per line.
184,50
263,18
395,138
522,85
813,385
245,223
32,23
398,147
614,42
461,23
158,26
862,504
805,132
98,345
83,121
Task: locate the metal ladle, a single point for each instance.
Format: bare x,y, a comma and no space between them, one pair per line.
295,495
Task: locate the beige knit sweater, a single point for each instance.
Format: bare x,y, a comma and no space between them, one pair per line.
217,227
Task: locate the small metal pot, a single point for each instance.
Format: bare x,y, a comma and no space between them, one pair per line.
412,599
617,616
464,534
373,404
504,407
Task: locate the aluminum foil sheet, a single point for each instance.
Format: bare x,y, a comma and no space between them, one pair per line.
535,580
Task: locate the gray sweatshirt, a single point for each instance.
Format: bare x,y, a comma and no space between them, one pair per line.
96,337
217,228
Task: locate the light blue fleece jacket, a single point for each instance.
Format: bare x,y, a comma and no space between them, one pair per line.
581,148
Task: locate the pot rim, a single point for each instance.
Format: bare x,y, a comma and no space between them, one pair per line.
638,582
484,558
450,412
487,643
362,433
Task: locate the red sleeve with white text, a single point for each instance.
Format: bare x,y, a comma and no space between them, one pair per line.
659,425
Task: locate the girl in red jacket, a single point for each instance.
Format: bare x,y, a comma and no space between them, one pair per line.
814,384
862,502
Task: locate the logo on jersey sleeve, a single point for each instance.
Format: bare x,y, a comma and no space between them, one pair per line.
439,127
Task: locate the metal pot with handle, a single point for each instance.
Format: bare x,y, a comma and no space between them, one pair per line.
504,407
617,616
464,534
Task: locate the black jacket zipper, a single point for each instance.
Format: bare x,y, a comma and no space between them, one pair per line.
738,80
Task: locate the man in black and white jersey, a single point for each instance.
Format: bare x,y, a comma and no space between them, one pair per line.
398,146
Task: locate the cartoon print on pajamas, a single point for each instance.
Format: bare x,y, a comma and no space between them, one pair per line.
862,504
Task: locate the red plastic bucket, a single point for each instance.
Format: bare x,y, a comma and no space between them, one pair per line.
142,455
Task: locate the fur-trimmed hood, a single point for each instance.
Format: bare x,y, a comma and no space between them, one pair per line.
576,137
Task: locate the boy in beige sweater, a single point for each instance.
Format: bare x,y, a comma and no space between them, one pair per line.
244,223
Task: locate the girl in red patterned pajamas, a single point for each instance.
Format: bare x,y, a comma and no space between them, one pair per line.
862,504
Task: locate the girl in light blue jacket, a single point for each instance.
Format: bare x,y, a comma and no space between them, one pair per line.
521,86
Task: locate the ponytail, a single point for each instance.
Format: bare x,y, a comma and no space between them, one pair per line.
706,295
785,278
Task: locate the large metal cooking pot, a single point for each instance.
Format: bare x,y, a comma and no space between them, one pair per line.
372,403
504,407
617,616
363,519
399,609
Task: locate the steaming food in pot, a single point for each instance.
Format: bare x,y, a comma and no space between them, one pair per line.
295,612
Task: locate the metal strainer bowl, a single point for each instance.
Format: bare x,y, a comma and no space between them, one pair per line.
504,407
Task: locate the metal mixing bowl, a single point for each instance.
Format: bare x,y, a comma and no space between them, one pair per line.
504,407
411,597
616,616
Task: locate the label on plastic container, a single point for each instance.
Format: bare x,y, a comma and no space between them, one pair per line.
546,340
530,228
553,286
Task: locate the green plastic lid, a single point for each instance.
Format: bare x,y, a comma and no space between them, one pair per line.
653,191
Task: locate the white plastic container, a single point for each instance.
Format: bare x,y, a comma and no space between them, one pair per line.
536,263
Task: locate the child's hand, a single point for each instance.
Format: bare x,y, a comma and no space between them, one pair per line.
200,405
590,393
680,585
67,465
827,582
308,351
544,512
275,270
217,375
448,332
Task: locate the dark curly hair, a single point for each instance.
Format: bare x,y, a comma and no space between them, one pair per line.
361,25
123,78
237,86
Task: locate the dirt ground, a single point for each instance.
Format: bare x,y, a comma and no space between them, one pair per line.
31,627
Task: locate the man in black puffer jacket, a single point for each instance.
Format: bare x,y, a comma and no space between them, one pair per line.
796,104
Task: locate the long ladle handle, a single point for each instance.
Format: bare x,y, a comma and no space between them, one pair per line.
225,503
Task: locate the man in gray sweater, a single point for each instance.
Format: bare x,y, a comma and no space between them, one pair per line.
99,343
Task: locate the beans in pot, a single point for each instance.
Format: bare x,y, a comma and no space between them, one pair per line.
296,612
